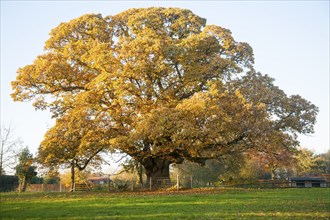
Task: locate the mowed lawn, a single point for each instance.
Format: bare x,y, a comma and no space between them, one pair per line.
195,204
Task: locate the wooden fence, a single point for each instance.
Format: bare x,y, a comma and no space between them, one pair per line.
47,188
158,184
266,184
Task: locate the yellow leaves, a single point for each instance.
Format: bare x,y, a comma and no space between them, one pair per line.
224,35
261,106
239,95
79,135
196,105
177,23
149,57
90,26
144,75
206,119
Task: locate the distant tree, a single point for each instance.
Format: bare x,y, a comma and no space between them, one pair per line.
25,169
253,169
37,180
10,148
274,161
321,163
51,180
52,176
305,161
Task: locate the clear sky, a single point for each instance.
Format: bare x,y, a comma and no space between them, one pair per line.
290,41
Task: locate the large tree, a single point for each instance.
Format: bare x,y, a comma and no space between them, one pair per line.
162,84
322,163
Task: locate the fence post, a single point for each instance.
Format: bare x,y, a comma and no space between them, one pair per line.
60,187
109,184
150,184
191,182
177,182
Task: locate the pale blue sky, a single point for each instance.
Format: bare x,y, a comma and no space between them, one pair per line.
290,41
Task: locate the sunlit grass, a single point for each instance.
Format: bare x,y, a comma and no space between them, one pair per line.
223,204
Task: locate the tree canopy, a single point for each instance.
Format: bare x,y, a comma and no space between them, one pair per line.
160,85
25,169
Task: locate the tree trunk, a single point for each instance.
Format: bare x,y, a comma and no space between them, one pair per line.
272,172
72,176
24,184
139,169
1,155
157,171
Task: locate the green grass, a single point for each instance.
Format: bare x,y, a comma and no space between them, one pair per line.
197,204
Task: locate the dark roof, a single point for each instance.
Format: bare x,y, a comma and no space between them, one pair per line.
307,179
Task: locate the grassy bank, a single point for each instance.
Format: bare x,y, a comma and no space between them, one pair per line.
196,204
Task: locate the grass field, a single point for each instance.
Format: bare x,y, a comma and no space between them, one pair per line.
196,204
